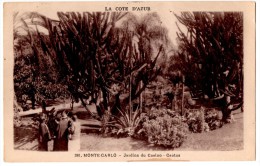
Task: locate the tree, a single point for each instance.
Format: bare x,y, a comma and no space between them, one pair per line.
150,39
24,70
34,75
213,50
93,54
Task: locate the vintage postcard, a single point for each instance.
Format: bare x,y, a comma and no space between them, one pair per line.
129,81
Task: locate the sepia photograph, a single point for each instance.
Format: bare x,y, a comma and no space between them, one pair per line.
129,81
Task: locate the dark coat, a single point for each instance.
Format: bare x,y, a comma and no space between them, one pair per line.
62,135
44,136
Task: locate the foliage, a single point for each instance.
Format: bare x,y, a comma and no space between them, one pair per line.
50,90
203,119
164,128
28,85
212,50
35,78
195,119
17,118
213,119
157,94
18,121
23,80
92,53
124,124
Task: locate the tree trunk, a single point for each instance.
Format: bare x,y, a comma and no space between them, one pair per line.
226,111
182,99
173,103
72,103
141,97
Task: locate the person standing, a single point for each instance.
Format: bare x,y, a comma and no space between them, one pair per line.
54,127
74,130
44,134
62,133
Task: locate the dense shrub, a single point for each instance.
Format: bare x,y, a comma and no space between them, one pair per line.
213,119
164,128
32,84
202,119
195,119
49,90
17,118
31,122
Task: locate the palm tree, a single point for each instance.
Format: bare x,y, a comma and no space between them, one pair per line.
23,37
150,39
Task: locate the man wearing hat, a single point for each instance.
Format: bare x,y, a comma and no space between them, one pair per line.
44,133
62,135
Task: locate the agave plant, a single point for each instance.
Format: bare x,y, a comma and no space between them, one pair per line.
126,123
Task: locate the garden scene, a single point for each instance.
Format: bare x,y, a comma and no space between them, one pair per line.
127,83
